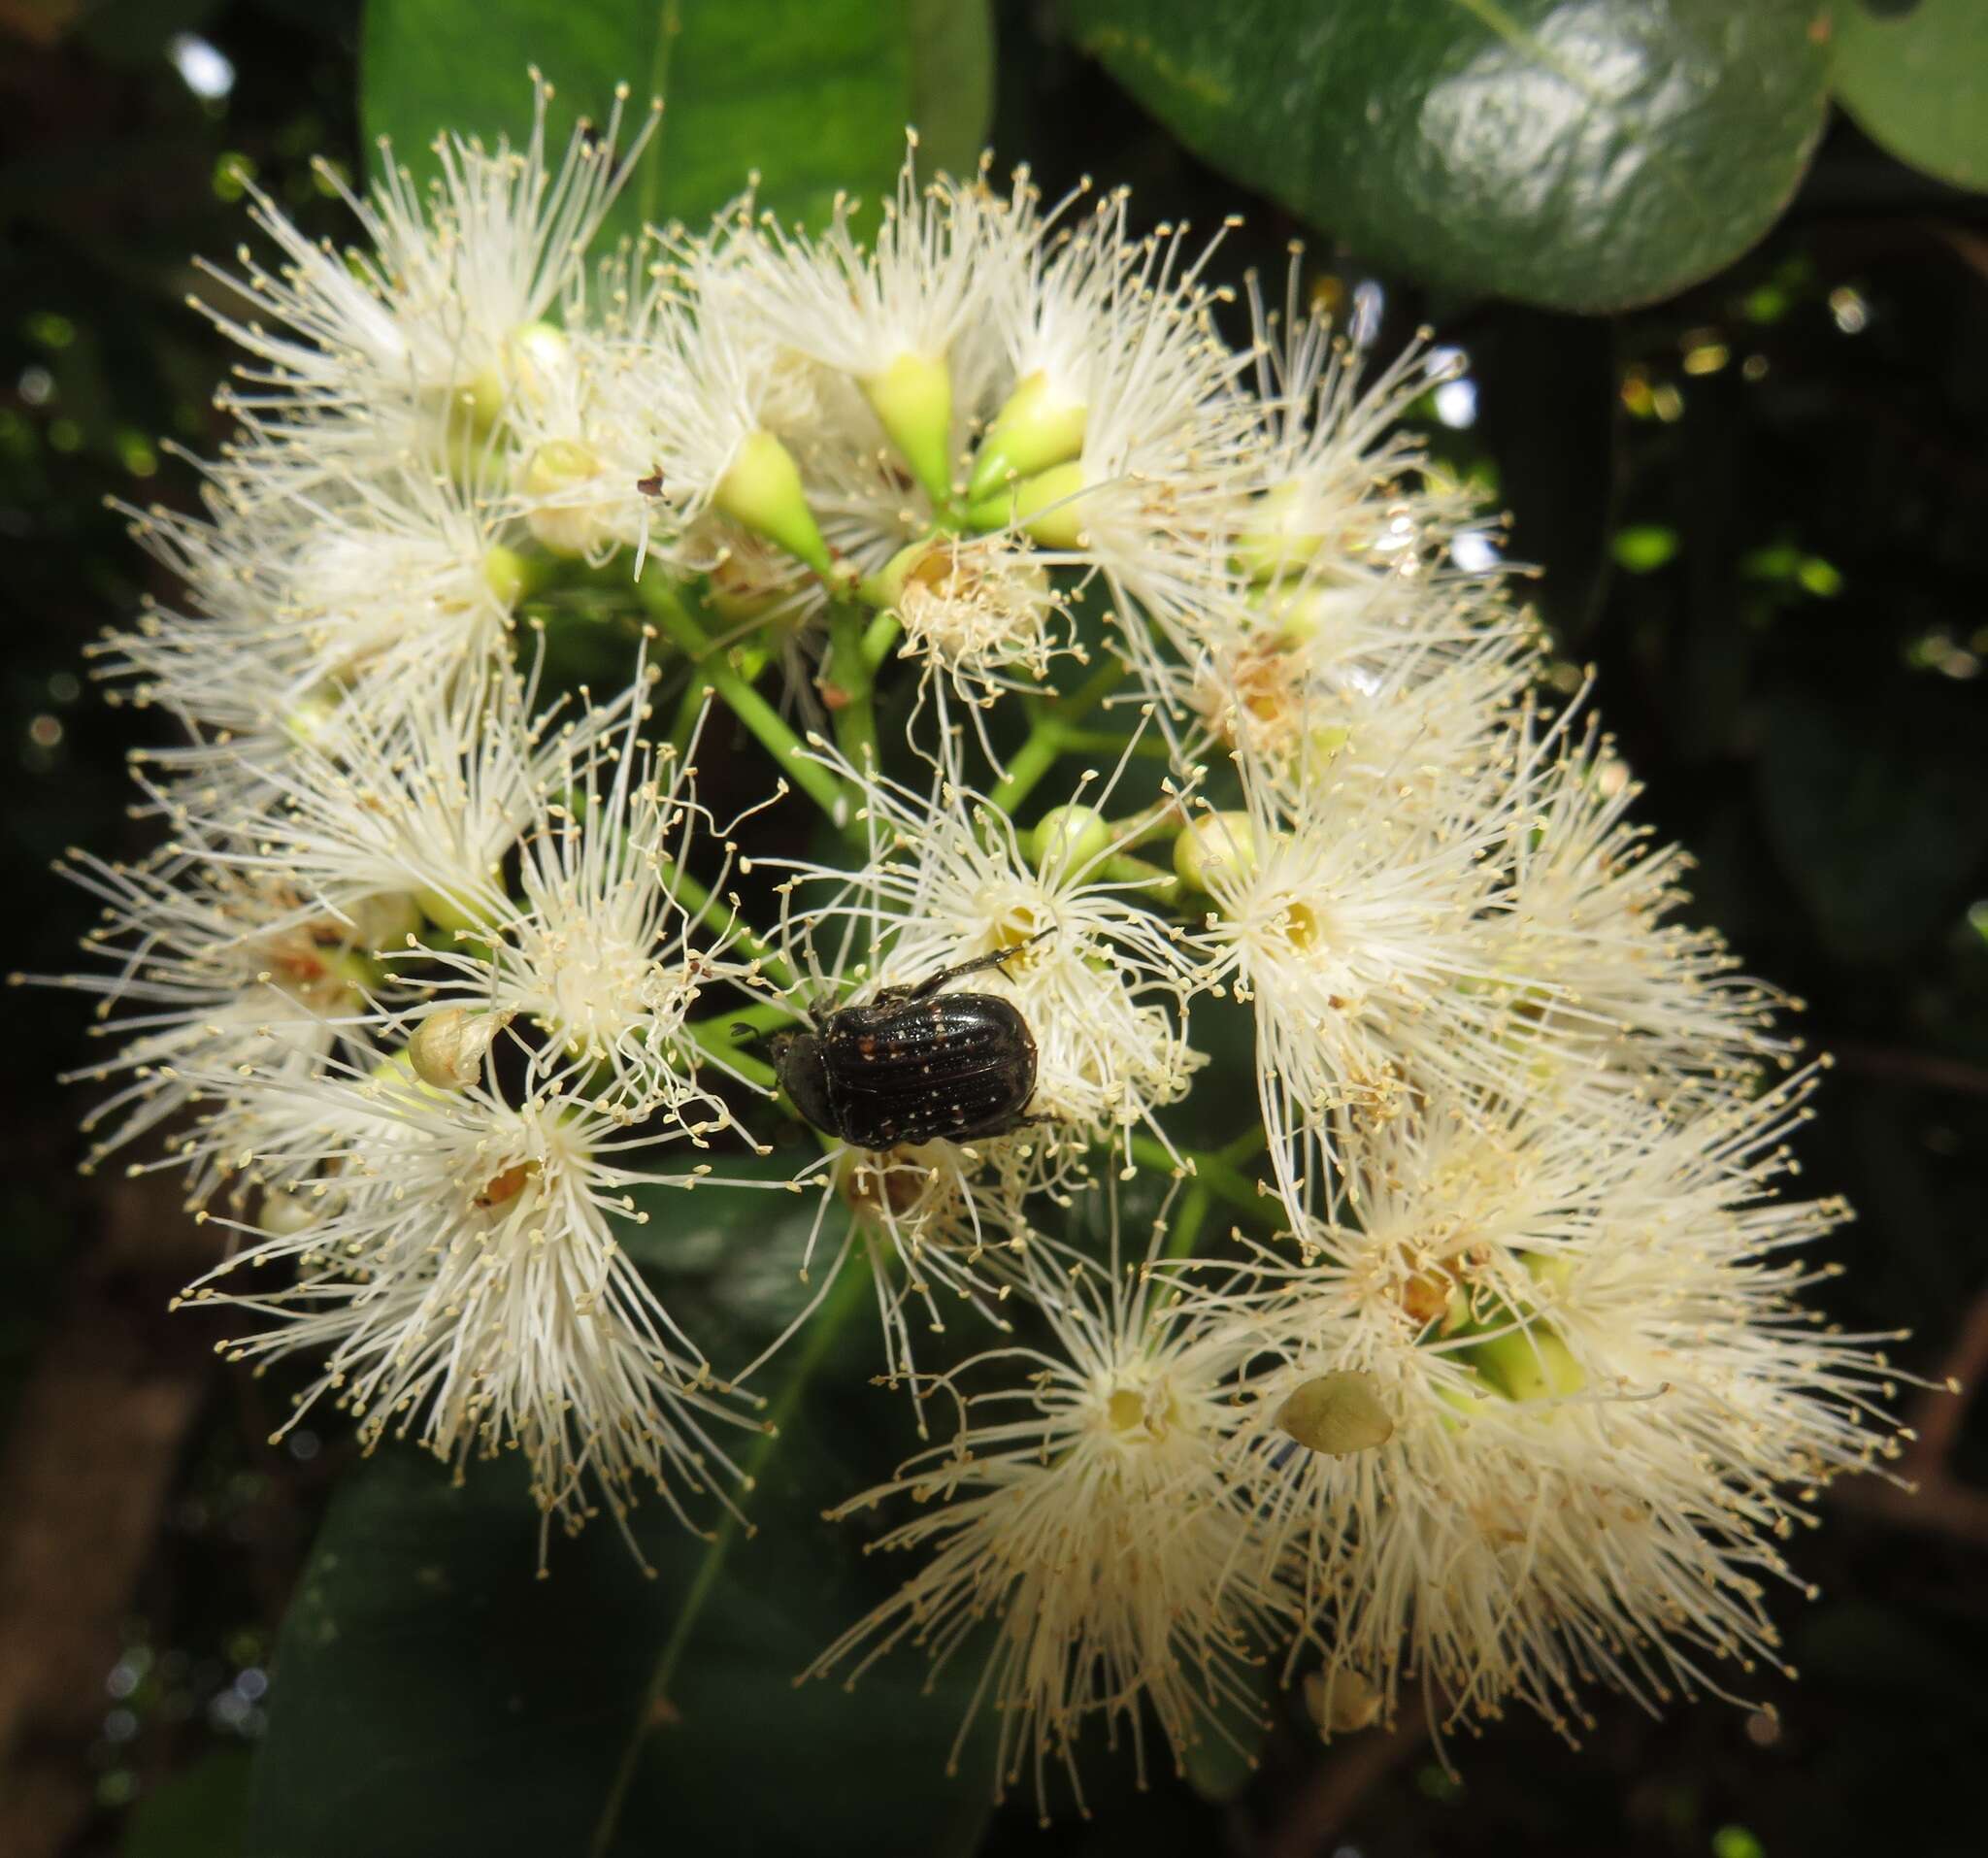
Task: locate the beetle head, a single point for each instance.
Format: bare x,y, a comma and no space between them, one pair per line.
803,1073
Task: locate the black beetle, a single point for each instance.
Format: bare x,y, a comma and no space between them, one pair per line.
913,1064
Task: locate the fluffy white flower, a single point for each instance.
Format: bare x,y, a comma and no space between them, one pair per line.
363,358
1599,1401
428,804
455,1261
1358,932
1590,897
212,971
602,953
1098,976
1123,447
366,598
1083,1507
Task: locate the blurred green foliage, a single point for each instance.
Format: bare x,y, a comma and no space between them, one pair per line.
1756,508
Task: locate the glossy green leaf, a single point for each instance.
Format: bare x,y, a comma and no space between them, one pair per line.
1916,77
813,95
433,1696
1581,153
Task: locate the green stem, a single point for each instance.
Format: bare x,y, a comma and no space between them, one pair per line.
878,637
1161,886
746,703
701,903
848,670
1188,1227
844,1299
716,1046
1222,1179
1047,738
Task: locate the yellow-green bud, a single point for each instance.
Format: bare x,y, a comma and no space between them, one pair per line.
444,911
285,1214
913,399
449,1047
557,466
1049,506
1529,1364
1553,1269
1214,839
1315,607
1470,1401
385,919
1069,836
541,358
479,402
509,575
1288,528
749,579
1337,1414
1341,1701
884,588
761,491
1040,425
307,718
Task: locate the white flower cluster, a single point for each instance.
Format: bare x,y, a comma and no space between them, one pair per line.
1509,1388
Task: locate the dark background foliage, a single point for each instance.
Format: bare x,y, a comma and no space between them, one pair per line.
1757,507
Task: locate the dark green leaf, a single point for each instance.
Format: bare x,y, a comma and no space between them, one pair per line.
196,1813
952,81
1875,812
814,95
434,1691
1916,80
1581,154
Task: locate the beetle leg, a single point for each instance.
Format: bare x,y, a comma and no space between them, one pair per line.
931,984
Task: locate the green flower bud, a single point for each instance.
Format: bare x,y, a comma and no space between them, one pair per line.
1338,1414
541,358
557,466
1048,507
1069,836
443,911
1317,606
1038,426
1289,527
913,397
1529,1364
509,575
762,491
1214,839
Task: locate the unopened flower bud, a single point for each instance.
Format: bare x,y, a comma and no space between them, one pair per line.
1041,425
749,579
509,575
1048,507
912,398
761,491
1337,1414
285,1214
1341,1700
1291,524
541,358
1069,837
311,714
449,1047
1211,839
385,921
1315,606
547,479
1529,1364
